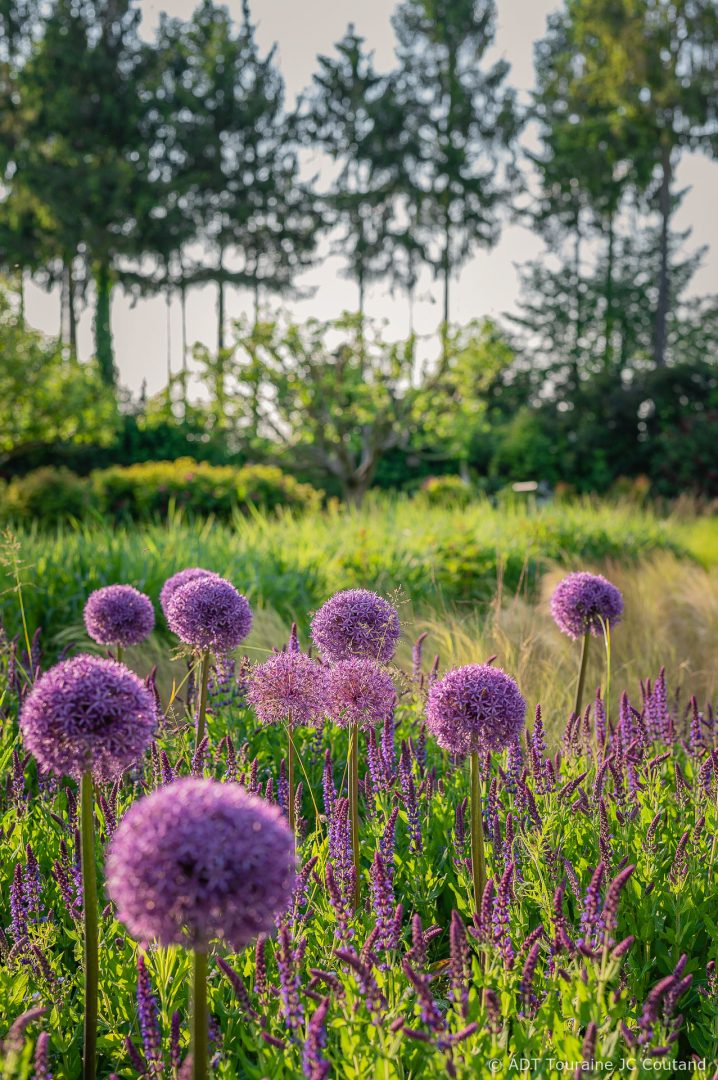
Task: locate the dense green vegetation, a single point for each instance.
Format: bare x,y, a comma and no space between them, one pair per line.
185,170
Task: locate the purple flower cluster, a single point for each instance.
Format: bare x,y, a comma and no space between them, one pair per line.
88,714
182,577
288,688
582,601
196,860
359,692
356,623
209,613
475,708
119,615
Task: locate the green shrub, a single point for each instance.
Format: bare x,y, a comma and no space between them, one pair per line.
48,496
446,491
268,488
148,490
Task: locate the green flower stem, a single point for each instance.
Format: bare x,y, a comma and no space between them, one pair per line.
478,862
202,713
120,654
581,674
354,806
89,893
290,778
200,1026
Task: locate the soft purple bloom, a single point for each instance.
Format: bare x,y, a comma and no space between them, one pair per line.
289,688
197,860
359,692
88,714
582,601
356,622
475,708
209,613
119,615
182,577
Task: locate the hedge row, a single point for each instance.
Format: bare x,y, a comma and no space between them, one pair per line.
150,490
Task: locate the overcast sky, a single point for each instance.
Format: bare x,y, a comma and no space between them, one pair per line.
488,284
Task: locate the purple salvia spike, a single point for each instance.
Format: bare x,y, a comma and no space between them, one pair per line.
175,1048
417,655
314,1065
240,990
42,1057
328,787
289,980
529,999
149,1020
459,963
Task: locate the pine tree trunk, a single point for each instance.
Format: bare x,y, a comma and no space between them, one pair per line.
446,270
71,310
608,326
220,302
578,328
21,295
103,331
168,326
660,332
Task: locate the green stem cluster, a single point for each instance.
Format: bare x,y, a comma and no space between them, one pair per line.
478,860
89,894
354,806
202,711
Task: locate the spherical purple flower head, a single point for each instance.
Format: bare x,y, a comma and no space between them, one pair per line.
88,714
356,622
582,600
182,577
197,860
289,687
359,692
477,707
119,615
209,613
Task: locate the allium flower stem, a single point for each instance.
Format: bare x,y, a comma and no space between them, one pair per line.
89,885
582,674
478,862
290,777
354,805
202,711
200,1027
120,654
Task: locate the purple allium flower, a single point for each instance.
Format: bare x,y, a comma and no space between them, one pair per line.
356,622
478,707
119,615
582,600
209,613
88,714
182,577
198,859
359,692
288,688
